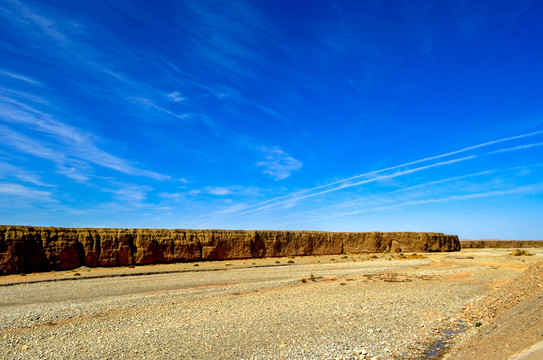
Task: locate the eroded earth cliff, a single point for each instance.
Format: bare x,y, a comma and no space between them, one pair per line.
501,244
32,249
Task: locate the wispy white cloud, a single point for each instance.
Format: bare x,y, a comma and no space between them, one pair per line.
62,41
21,191
76,144
10,93
132,194
148,103
9,170
226,37
30,146
74,173
172,196
219,91
175,96
221,190
26,16
20,77
278,164
74,169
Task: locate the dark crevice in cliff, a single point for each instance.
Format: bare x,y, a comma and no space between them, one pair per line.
200,249
98,249
81,252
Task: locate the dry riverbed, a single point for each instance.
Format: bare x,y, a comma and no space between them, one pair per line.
348,307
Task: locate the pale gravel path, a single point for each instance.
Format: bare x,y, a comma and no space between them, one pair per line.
373,309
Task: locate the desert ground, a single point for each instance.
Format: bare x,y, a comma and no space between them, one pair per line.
352,306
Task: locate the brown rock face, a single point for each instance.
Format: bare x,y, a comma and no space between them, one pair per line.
480,244
33,249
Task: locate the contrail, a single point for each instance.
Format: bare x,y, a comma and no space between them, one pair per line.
533,188
293,194
396,174
435,182
520,147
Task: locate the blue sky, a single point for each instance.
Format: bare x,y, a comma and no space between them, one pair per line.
321,115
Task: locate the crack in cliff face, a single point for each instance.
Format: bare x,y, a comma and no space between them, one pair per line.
33,249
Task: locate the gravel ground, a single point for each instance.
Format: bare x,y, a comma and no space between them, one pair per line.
355,309
508,295
511,319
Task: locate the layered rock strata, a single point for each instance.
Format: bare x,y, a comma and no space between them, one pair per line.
502,244
33,249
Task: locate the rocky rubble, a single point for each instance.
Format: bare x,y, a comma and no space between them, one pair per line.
33,249
506,296
507,320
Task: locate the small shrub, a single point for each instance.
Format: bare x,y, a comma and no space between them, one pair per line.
196,265
304,280
478,324
132,266
227,264
77,274
312,277
290,262
345,257
332,259
253,263
278,262
374,257
519,252
416,256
